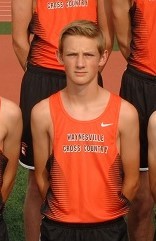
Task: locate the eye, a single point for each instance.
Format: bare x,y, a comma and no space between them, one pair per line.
72,54
89,54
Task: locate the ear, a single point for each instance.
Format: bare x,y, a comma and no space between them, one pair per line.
103,59
59,57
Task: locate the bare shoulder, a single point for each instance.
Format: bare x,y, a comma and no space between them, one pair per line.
152,118
40,108
10,110
40,113
152,121
128,114
125,104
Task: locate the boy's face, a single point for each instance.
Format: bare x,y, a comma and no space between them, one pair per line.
81,59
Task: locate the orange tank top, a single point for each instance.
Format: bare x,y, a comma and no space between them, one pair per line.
143,22
48,20
86,170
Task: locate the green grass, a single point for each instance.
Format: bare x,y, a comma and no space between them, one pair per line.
14,208
5,28
115,47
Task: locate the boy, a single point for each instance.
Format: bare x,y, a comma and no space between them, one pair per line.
10,137
135,28
93,171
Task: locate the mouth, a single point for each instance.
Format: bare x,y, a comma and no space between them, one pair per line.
80,73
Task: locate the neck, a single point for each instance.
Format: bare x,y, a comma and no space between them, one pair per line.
82,93
83,102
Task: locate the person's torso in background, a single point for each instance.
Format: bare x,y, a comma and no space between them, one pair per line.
143,45
48,20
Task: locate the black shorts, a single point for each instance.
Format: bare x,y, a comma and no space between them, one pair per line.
140,90
38,83
3,230
107,231
154,236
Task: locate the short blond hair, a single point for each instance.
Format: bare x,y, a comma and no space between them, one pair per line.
84,28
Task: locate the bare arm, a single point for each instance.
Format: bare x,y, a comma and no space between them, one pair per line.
106,24
129,148
21,16
11,144
40,121
152,153
122,25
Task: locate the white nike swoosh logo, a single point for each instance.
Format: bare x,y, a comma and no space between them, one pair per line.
106,124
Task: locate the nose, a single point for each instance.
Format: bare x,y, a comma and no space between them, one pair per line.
80,62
